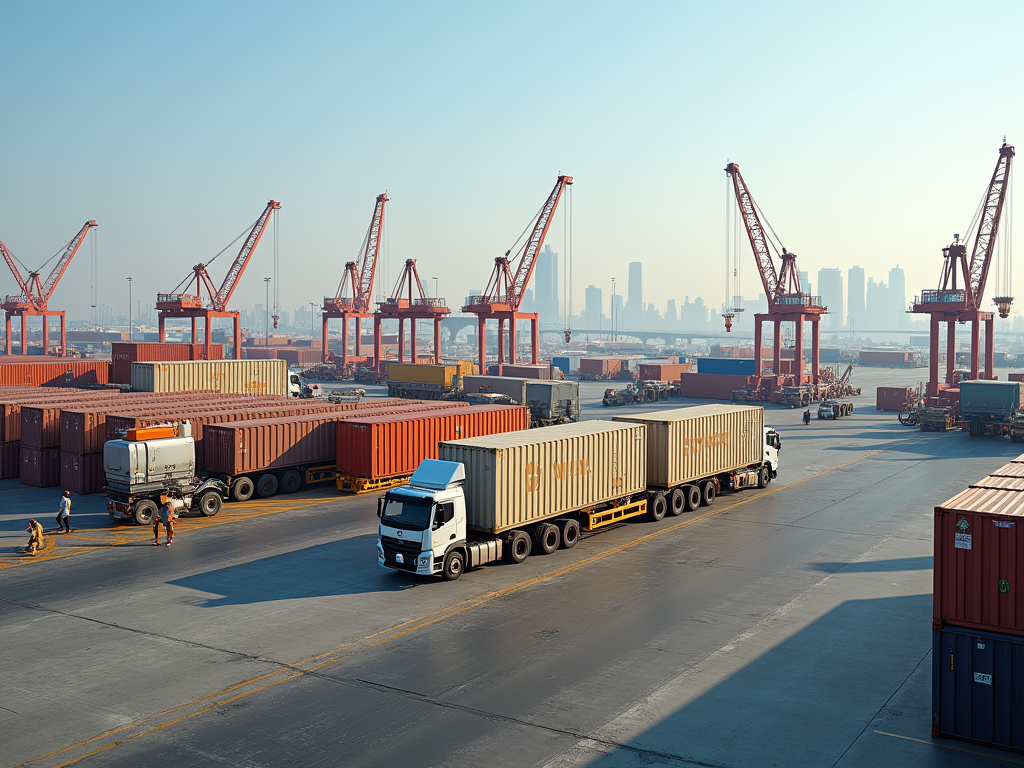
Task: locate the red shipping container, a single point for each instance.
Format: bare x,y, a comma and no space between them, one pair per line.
1016,376
55,372
259,353
884,357
979,554
40,424
10,460
40,467
600,366
123,355
892,398
390,446
82,473
714,386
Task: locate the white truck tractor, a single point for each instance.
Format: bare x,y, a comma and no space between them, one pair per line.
154,462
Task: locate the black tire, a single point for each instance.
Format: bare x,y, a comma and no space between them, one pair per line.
676,502
570,530
209,504
546,538
849,409
708,493
454,565
763,477
657,507
242,489
517,547
144,511
266,485
693,497
291,481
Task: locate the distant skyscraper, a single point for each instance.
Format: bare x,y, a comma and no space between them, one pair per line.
898,297
805,283
671,315
617,311
830,287
855,297
593,307
877,315
635,299
545,281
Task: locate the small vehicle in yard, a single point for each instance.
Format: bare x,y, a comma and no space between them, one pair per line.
834,409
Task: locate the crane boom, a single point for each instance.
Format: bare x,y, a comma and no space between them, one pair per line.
369,266
9,258
37,294
62,264
223,296
984,242
536,240
756,235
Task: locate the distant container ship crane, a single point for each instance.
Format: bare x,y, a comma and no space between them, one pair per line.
34,299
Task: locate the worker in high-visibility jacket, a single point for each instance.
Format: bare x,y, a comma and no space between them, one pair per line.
36,541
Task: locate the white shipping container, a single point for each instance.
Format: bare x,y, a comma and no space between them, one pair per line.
240,377
685,444
517,478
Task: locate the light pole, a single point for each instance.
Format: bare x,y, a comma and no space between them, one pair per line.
131,337
266,312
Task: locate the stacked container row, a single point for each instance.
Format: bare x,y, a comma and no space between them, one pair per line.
59,372
123,355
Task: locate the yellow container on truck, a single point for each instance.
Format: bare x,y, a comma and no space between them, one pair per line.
242,377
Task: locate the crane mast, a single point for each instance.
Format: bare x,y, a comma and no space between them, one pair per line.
358,277
984,242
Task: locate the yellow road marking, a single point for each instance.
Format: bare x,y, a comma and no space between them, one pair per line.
950,746
342,652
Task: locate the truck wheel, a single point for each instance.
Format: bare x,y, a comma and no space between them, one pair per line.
144,512
658,506
676,502
518,547
707,493
547,537
454,565
570,530
242,489
266,485
763,478
692,497
210,504
291,481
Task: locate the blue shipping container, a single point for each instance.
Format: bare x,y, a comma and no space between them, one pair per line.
978,687
737,366
566,363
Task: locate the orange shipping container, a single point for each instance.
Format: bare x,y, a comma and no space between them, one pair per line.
669,372
392,446
62,372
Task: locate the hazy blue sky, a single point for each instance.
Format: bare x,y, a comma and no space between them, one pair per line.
867,132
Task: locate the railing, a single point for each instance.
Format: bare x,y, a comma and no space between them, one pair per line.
184,299
17,299
942,297
434,303
800,300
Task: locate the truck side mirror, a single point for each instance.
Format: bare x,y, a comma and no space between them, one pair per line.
380,506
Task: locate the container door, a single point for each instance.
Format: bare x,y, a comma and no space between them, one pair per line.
982,672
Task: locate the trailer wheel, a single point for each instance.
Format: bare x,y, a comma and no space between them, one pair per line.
763,478
144,512
266,485
676,502
570,530
707,493
692,497
210,504
519,547
242,489
454,565
291,481
657,506
547,538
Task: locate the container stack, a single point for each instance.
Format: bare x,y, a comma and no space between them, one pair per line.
978,619
17,370
123,355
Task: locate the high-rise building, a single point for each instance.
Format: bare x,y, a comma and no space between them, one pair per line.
876,311
855,297
830,287
671,314
898,298
805,283
617,311
545,282
635,299
593,307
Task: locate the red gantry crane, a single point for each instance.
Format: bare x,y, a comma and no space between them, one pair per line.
786,300
357,280
178,304
504,293
33,301
409,302
960,300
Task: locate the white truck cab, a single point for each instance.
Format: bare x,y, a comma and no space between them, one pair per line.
772,447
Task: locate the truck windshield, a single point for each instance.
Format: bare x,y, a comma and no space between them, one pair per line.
406,512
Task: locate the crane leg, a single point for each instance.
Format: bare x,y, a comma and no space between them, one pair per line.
376,345
207,336
481,343
512,340
950,349
975,346
160,325
46,334
359,336
323,338
815,348
7,334
534,340
758,361
501,342
194,339
63,335
437,341
236,337
401,340
798,353
990,372
413,353
344,340
777,357
24,334
933,359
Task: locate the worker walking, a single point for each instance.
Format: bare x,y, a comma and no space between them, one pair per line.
36,541
807,417
64,515
165,516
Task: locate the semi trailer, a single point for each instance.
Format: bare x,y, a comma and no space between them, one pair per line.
503,497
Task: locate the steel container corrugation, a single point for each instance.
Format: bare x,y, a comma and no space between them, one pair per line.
1013,469
978,567
522,477
64,372
10,460
1002,483
40,467
663,371
119,422
250,377
40,423
991,397
686,444
730,366
892,398
978,687
390,446
12,403
82,473
123,355
601,366
438,375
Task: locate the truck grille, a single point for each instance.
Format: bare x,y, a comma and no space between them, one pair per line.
408,549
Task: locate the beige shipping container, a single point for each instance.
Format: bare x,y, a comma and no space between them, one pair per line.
518,478
686,444
240,377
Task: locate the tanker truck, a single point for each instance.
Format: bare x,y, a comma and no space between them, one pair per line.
505,496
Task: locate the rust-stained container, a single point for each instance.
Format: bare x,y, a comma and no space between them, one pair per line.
59,372
686,444
600,367
10,460
40,423
380,447
11,404
663,371
40,467
978,564
245,377
123,355
713,386
892,398
517,478
82,473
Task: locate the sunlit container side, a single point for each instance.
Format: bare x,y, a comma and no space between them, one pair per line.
669,372
521,477
686,444
40,467
439,375
122,355
380,447
249,377
63,372
600,366
40,423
